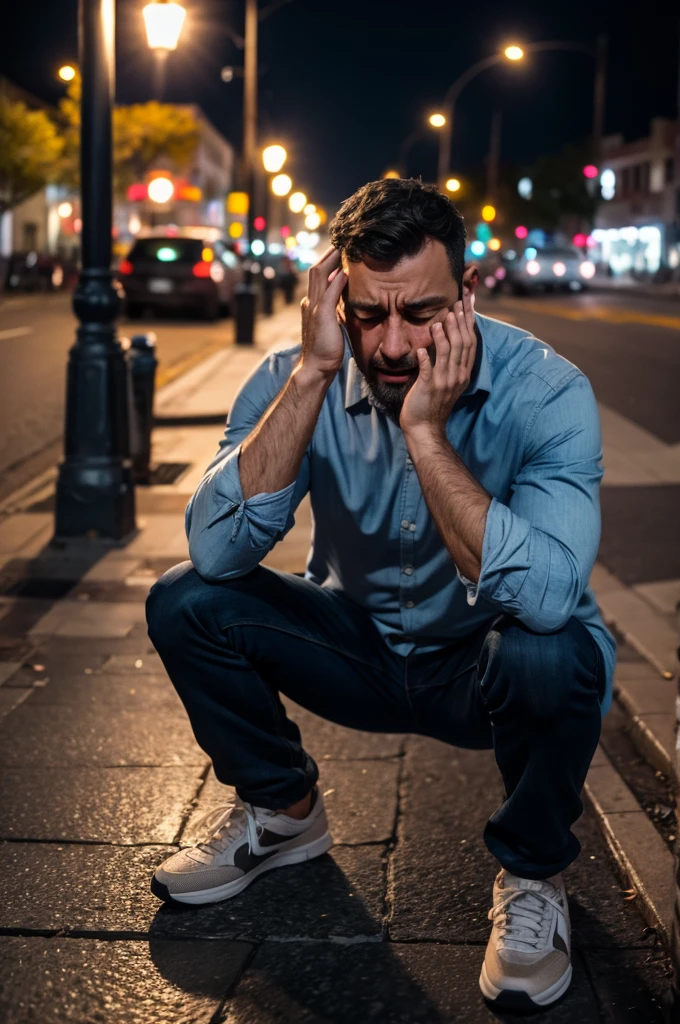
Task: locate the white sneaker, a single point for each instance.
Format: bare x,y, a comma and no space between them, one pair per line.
246,841
527,962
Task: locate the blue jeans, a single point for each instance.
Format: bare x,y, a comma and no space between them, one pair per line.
231,648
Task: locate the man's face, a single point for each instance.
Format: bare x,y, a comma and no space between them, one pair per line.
388,310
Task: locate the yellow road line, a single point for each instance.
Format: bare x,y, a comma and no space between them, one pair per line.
165,374
610,315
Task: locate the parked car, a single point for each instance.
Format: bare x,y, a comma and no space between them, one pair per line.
548,269
180,270
34,272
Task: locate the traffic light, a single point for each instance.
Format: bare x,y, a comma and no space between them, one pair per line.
259,223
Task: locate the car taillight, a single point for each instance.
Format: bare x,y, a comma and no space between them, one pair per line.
201,269
125,267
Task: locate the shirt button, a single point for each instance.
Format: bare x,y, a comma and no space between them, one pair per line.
405,524
410,604
409,461
408,570
412,527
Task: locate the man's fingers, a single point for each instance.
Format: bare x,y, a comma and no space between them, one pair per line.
336,282
319,272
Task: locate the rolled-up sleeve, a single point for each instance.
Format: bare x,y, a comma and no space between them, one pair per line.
229,535
540,547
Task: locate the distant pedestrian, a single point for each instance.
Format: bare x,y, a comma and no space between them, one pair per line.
453,464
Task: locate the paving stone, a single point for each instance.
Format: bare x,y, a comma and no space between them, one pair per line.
54,981
136,643
340,893
631,985
360,799
387,983
52,736
7,670
17,531
443,883
104,805
10,699
78,888
109,568
326,741
89,619
124,663
124,691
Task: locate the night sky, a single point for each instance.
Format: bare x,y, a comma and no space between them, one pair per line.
345,82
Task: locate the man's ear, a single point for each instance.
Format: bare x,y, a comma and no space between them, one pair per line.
470,278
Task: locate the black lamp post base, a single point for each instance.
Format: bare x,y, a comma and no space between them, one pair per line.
95,501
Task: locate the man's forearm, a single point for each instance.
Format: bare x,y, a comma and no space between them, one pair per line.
457,502
271,455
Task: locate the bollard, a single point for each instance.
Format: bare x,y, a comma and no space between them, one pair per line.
142,364
244,297
267,295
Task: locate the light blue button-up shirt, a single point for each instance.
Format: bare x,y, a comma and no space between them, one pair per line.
527,428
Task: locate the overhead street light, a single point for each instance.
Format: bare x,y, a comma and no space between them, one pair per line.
297,202
273,159
163,20
453,185
514,52
67,73
281,185
437,120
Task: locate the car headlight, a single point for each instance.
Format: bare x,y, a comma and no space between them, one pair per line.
533,267
587,269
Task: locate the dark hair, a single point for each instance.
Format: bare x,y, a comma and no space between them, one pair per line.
393,218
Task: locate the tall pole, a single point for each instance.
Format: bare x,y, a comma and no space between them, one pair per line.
599,94
95,493
494,155
250,111
245,293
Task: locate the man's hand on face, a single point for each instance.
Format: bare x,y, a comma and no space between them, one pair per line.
437,388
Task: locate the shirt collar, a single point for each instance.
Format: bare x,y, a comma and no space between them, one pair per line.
356,387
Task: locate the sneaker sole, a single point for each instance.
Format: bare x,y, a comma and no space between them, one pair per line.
518,999
229,889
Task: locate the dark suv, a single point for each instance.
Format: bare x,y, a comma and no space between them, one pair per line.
172,272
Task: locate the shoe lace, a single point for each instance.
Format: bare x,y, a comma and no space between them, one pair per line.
225,824
524,916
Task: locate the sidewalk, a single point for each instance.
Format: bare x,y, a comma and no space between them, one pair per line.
101,779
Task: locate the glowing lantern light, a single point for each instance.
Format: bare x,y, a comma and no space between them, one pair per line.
281,185
163,23
65,209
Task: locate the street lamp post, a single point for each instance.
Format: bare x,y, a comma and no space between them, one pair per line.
516,54
95,493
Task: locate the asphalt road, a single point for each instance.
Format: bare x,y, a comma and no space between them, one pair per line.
36,333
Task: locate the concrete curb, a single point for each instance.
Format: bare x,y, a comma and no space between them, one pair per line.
643,861
647,692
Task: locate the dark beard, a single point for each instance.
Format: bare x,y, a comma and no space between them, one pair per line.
388,398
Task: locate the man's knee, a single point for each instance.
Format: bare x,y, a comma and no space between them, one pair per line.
170,601
534,671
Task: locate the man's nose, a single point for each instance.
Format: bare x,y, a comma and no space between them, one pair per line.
395,345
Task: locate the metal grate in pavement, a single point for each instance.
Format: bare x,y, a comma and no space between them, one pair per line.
167,473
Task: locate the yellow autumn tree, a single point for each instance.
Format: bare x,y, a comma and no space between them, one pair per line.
29,149
143,134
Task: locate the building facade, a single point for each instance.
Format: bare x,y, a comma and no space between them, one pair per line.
635,226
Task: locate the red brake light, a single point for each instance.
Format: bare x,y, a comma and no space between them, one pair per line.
201,269
125,267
